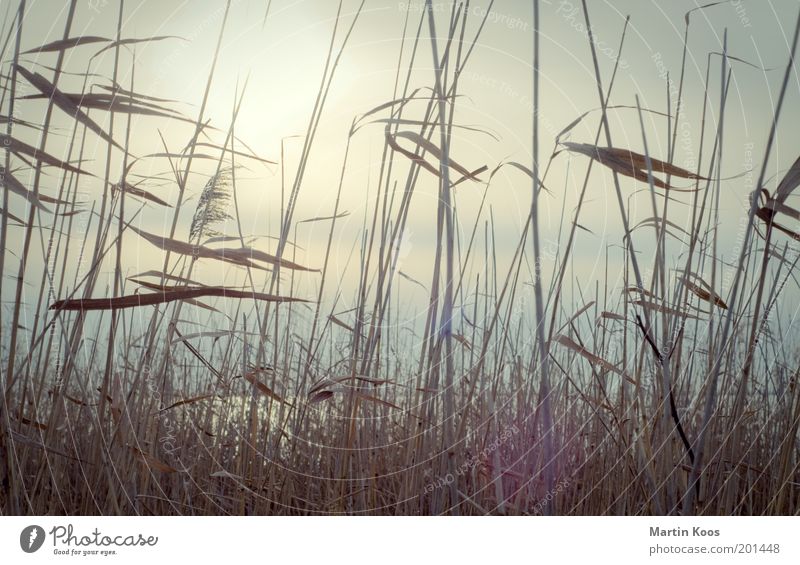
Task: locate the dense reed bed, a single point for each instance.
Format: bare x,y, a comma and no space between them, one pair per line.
667,386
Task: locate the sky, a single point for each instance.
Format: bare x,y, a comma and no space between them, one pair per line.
276,64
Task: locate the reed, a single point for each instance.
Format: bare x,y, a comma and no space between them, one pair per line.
281,388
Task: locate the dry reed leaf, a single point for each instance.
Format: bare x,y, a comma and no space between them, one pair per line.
639,161
191,400
659,222
184,293
631,164
520,167
215,335
64,103
131,41
205,306
412,280
325,218
389,104
429,147
790,181
231,151
586,354
703,7
320,397
64,44
463,341
159,287
202,359
197,251
167,276
335,384
70,398
740,60
251,377
114,103
340,323
768,212
20,148
51,200
704,293
32,423
17,437
117,90
434,150
471,176
116,411
224,238
580,118
202,429
415,158
774,206
361,378
422,123
226,475
321,384
377,400
780,208
124,107
400,102
70,213
152,462
141,193
664,309
577,314
612,316
181,156
642,291
248,253
10,182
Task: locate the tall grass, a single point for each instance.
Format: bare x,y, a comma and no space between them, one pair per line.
657,396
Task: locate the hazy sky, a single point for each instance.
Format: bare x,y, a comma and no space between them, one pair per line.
282,59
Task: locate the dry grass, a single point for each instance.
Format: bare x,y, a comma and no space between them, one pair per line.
666,398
